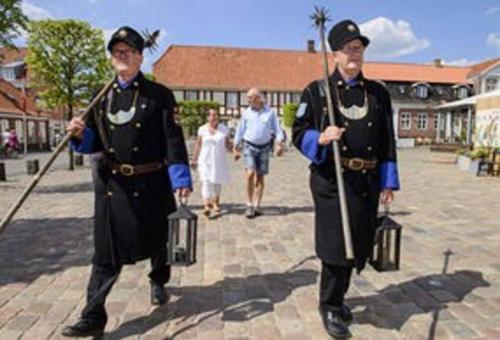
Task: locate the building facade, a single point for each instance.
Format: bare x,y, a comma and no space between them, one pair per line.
18,113
224,74
14,71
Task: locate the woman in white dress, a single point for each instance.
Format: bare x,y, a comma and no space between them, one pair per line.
212,144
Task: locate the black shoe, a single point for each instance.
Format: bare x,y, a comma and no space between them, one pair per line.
257,212
334,325
346,314
159,295
84,328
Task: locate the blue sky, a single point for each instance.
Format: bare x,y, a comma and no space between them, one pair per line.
457,31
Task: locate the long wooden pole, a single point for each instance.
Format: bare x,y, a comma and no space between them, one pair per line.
38,176
320,18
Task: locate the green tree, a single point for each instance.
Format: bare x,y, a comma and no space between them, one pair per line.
193,114
12,21
149,76
68,63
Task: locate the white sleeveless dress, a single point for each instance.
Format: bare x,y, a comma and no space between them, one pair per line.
212,163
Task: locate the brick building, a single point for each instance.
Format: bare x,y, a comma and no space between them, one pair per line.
224,74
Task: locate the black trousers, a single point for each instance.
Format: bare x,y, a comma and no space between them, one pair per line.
102,279
334,284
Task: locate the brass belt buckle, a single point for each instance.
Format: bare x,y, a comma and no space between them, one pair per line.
127,169
356,164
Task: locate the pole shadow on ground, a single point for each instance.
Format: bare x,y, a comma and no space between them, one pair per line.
234,298
393,305
43,246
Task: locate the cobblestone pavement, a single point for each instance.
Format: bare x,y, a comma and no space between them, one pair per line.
258,279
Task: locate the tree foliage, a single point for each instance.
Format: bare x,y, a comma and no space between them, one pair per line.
67,60
12,22
193,114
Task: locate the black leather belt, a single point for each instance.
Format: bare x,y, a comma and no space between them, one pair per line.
358,164
137,169
258,146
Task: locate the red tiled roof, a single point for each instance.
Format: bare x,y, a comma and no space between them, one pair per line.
211,67
8,55
478,68
12,100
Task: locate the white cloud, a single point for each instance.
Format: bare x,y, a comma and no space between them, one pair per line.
460,62
492,10
108,32
391,39
34,12
494,40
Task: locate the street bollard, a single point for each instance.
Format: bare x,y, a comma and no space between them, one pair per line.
32,166
79,160
3,177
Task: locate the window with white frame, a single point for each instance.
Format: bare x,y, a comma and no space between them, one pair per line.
232,100
218,97
405,121
274,99
43,132
31,132
422,121
491,84
19,129
179,95
191,95
462,92
4,124
437,120
243,99
295,97
281,98
422,91
8,74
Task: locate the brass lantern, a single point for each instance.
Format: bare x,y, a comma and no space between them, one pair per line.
387,246
182,234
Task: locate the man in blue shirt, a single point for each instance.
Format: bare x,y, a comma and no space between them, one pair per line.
258,128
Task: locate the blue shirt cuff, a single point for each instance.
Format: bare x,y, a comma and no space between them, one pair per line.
86,145
389,177
180,176
311,149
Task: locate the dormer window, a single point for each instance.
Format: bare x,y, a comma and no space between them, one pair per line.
491,84
461,91
421,90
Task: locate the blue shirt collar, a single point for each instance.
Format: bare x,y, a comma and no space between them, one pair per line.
124,84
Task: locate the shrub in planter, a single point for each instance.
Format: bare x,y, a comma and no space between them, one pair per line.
289,111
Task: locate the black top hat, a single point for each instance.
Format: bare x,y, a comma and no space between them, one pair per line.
128,36
343,32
